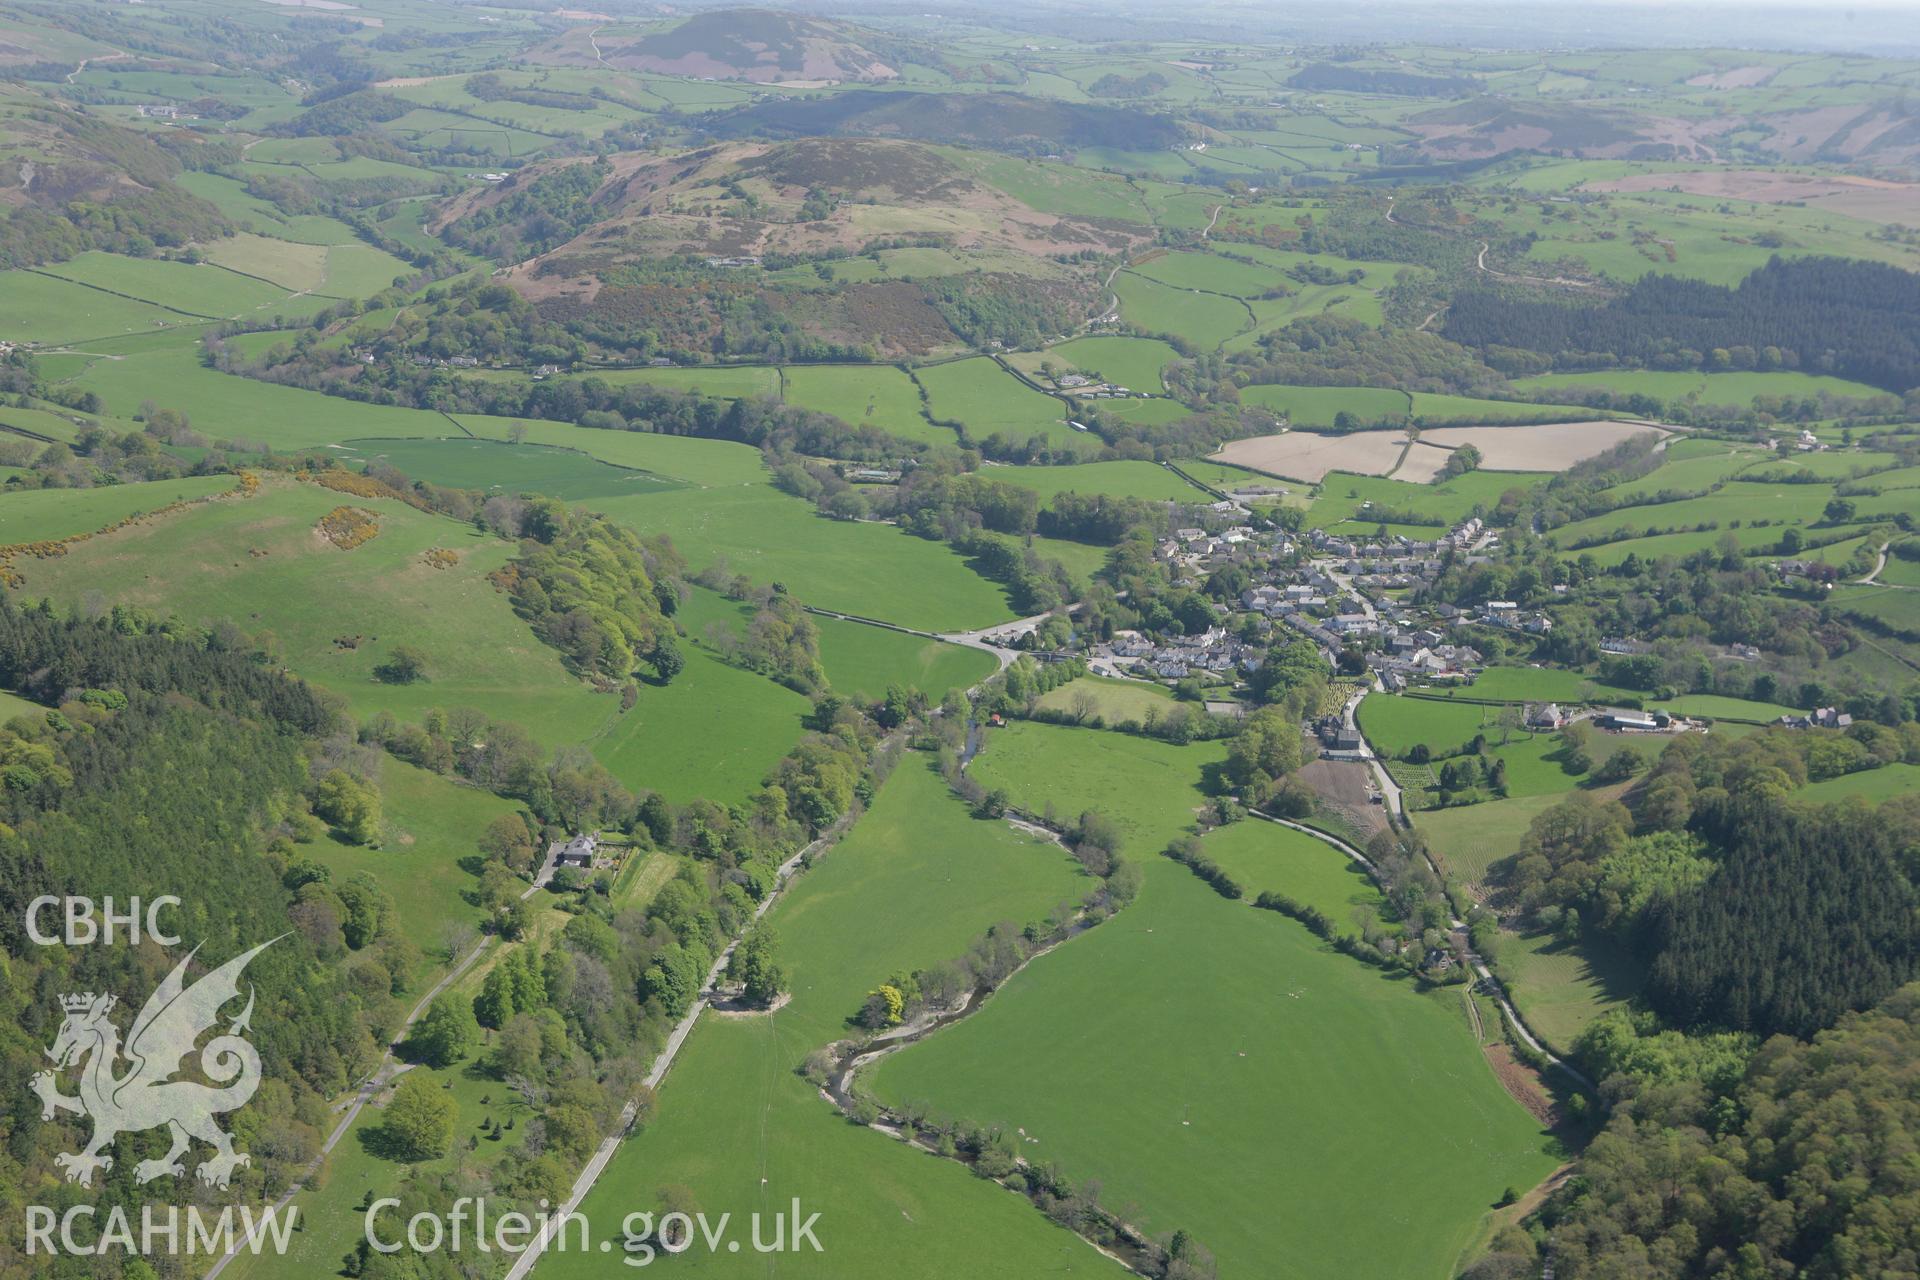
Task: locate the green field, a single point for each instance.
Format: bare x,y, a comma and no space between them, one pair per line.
700,462
872,570
1395,723
1871,785
1114,701
1180,1106
1560,988
911,886
1266,857
1203,319
1433,409
337,614
1318,406
990,401
728,382
1121,479
1777,503
12,705
203,290
1470,839
1538,684
432,824
49,311
1707,388
864,395
1716,707
496,467
1210,272
166,369
1134,363
1344,496
38,515
859,659
715,731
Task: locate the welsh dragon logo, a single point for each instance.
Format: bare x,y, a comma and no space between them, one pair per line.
145,1095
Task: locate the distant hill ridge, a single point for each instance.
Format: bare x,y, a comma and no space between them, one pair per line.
761,45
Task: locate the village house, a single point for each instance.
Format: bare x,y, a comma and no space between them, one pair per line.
1546,716
578,853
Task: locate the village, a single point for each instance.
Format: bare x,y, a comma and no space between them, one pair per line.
1339,592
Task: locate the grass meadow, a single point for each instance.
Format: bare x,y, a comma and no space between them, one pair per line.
872,570
990,401
258,562
1114,701
1178,1054
714,732
501,467
1204,320
36,515
1265,856
909,887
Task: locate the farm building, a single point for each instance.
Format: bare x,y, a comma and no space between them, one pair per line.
577,852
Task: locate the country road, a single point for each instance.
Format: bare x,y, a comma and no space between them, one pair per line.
382,1075
604,1153
1480,262
1478,965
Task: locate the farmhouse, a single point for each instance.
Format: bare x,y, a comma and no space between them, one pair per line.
578,852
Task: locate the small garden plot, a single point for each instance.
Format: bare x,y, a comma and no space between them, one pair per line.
1304,455
1321,406
1553,447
